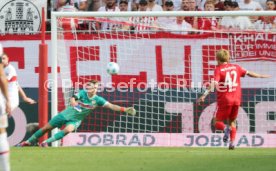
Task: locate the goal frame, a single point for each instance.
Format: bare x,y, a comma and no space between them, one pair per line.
54,28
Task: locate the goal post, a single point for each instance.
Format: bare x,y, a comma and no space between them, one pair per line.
162,73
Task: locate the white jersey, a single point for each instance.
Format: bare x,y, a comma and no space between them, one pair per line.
11,75
240,22
156,7
253,6
182,28
108,25
2,105
3,115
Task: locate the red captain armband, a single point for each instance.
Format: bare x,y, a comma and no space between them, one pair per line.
122,109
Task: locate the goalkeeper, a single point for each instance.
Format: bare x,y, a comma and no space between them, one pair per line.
82,103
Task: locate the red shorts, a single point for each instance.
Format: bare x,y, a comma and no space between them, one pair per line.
227,112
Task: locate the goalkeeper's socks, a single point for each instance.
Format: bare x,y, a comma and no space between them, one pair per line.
39,133
220,125
4,153
233,133
56,137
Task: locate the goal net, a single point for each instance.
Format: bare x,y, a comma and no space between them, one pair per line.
165,65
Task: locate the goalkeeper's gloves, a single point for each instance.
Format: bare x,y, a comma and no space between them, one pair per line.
130,110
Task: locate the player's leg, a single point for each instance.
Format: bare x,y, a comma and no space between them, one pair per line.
57,121
4,145
233,126
70,127
222,114
39,133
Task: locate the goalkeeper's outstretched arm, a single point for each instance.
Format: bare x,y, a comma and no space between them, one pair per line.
128,110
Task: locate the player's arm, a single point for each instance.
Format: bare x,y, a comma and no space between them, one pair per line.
128,110
24,96
4,88
209,89
74,101
256,75
212,86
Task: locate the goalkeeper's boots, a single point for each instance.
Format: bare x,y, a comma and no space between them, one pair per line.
23,144
226,134
43,144
231,146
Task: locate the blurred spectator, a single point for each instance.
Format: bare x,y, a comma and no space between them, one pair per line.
208,23
143,24
262,3
159,2
267,22
143,5
109,7
94,5
236,22
219,5
133,5
68,24
66,6
152,6
250,5
191,7
176,4
227,5
123,5
164,22
81,5
270,5
200,4
121,23
180,26
185,5
168,5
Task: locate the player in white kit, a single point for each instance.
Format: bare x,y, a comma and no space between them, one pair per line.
5,109
14,89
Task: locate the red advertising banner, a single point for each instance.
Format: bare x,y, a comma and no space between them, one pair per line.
166,57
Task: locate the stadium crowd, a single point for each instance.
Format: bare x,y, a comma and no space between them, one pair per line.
172,23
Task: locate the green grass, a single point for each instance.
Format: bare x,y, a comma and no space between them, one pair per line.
142,159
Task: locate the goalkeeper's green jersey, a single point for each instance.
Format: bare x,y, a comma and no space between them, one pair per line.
86,106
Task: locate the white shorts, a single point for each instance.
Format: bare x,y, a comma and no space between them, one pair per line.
3,115
14,99
14,105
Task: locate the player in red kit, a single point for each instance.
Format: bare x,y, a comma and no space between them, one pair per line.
226,82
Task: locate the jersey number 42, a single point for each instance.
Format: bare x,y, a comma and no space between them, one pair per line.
231,80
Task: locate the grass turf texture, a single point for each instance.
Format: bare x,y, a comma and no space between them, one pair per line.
142,159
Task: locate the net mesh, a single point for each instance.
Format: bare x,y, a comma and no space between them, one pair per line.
163,70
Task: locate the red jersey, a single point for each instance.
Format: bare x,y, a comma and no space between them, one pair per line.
205,23
229,86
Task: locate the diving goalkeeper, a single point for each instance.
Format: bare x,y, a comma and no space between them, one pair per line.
82,103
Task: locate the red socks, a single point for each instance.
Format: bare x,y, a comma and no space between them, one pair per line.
233,134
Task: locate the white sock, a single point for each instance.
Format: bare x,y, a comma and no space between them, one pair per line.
4,153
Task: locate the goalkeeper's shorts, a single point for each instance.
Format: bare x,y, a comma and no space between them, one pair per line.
59,121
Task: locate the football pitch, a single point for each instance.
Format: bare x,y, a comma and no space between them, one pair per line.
142,159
